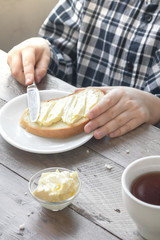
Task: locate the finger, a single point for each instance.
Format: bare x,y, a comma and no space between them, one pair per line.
41,68
107,116
14,60
132,124
28,61
109,100
114,124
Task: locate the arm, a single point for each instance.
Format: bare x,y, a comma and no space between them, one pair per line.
121,110
125,108
54,49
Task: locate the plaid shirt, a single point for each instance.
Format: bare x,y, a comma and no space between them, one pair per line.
105,42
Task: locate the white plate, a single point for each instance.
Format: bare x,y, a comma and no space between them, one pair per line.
14,134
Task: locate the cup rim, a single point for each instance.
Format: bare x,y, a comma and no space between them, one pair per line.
125,188
48,202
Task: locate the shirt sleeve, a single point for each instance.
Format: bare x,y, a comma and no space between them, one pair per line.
61,29
152,84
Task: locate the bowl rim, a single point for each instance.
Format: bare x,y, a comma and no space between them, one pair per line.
44,202
125,188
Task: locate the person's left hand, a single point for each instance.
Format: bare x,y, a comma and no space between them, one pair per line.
121,110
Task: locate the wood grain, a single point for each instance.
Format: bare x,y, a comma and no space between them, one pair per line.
143,141
18,208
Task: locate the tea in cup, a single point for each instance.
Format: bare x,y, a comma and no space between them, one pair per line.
141,195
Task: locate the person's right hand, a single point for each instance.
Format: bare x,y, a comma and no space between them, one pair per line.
29,60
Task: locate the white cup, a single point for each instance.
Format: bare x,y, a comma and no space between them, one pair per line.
146,216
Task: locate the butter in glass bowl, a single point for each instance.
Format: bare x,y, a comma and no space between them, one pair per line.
55,188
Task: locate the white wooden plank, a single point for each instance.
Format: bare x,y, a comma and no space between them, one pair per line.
144,141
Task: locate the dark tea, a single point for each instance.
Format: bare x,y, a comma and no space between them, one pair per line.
147,188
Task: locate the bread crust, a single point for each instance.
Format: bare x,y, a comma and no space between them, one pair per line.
57,130
47,132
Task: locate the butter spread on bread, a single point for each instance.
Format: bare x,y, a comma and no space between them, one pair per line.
65,116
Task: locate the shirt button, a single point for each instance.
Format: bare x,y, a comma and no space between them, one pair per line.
147,18
129,65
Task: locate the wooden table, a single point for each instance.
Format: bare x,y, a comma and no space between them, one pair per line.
98,212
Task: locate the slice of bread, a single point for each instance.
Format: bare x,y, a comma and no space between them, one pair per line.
63,117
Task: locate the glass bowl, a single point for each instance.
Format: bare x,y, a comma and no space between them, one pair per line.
54,206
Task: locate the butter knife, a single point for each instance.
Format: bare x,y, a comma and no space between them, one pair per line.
33,101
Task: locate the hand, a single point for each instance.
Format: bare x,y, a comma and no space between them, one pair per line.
121,110
29,60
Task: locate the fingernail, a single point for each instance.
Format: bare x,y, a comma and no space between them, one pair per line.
112,135
88,129
27,81
98,134
29,78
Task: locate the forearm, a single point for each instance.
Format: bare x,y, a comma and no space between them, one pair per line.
153,105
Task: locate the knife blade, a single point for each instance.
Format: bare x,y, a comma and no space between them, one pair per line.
33,101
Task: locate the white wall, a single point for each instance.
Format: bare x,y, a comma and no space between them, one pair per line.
21,19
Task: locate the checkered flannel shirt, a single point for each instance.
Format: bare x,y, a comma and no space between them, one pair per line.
105,42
